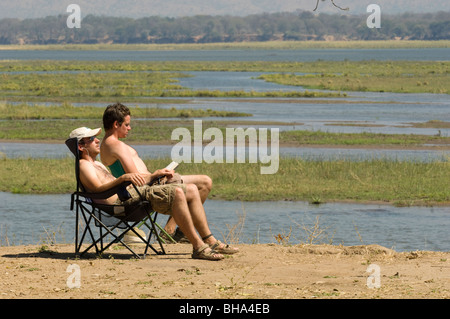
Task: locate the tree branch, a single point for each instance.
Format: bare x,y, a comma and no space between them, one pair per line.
332,1
345,9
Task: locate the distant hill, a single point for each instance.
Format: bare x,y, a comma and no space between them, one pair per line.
300,26
23,9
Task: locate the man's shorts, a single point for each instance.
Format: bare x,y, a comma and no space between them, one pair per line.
160,196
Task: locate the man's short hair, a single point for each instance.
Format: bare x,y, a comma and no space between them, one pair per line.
115,112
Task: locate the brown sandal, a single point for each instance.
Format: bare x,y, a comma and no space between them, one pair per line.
206,253
227,249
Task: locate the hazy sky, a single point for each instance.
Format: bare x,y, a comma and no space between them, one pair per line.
138,8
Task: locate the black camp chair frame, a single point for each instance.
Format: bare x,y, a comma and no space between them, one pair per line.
94,215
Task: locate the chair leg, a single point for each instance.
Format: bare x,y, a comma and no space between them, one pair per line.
161,229
117,238
153,229
88,215
77,229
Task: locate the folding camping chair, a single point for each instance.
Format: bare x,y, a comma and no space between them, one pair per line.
101,220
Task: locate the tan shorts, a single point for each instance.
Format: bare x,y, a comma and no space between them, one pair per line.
160,196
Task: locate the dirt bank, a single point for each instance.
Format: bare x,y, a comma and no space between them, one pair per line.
257,272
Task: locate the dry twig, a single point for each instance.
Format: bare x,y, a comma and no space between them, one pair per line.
332,1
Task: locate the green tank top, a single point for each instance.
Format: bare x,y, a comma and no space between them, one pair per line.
117,169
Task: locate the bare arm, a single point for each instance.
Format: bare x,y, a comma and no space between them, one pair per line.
90,178
122,152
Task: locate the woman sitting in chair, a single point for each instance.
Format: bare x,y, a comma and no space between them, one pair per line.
181,201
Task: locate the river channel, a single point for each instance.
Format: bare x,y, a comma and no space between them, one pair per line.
45,219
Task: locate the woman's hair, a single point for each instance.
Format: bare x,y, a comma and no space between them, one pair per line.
114,112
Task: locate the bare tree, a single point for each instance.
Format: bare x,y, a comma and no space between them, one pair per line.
332,1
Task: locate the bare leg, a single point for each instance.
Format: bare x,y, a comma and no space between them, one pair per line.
189,221
204,185
196,209
171,225
200,222
182,217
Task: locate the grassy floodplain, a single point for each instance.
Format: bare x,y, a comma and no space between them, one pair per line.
37,82
25,111
60,83
399,77
398,183
48,123
140,81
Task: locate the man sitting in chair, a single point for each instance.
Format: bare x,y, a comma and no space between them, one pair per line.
122,158
181,201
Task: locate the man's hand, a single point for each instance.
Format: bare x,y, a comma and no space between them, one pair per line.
163,175
164,172
136,178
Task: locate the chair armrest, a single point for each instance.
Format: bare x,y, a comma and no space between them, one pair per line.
108,193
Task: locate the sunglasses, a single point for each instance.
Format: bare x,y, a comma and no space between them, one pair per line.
91,139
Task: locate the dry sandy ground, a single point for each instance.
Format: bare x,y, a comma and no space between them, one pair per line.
257,272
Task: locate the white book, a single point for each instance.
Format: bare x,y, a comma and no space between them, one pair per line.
172,166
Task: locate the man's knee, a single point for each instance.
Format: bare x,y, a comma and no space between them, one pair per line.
179,193
192,191
207,182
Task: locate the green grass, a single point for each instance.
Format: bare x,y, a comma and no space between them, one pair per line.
359,139
401,183
37,176
374,76
432,124
145,130
68,111
87,84
95,81
141,81
394,182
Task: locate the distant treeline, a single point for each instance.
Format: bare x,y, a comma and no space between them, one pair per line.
298,26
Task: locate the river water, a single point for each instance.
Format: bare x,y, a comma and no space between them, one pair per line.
43,150
300,55
41,218
31,219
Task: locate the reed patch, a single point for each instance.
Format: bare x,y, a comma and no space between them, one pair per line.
395,182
